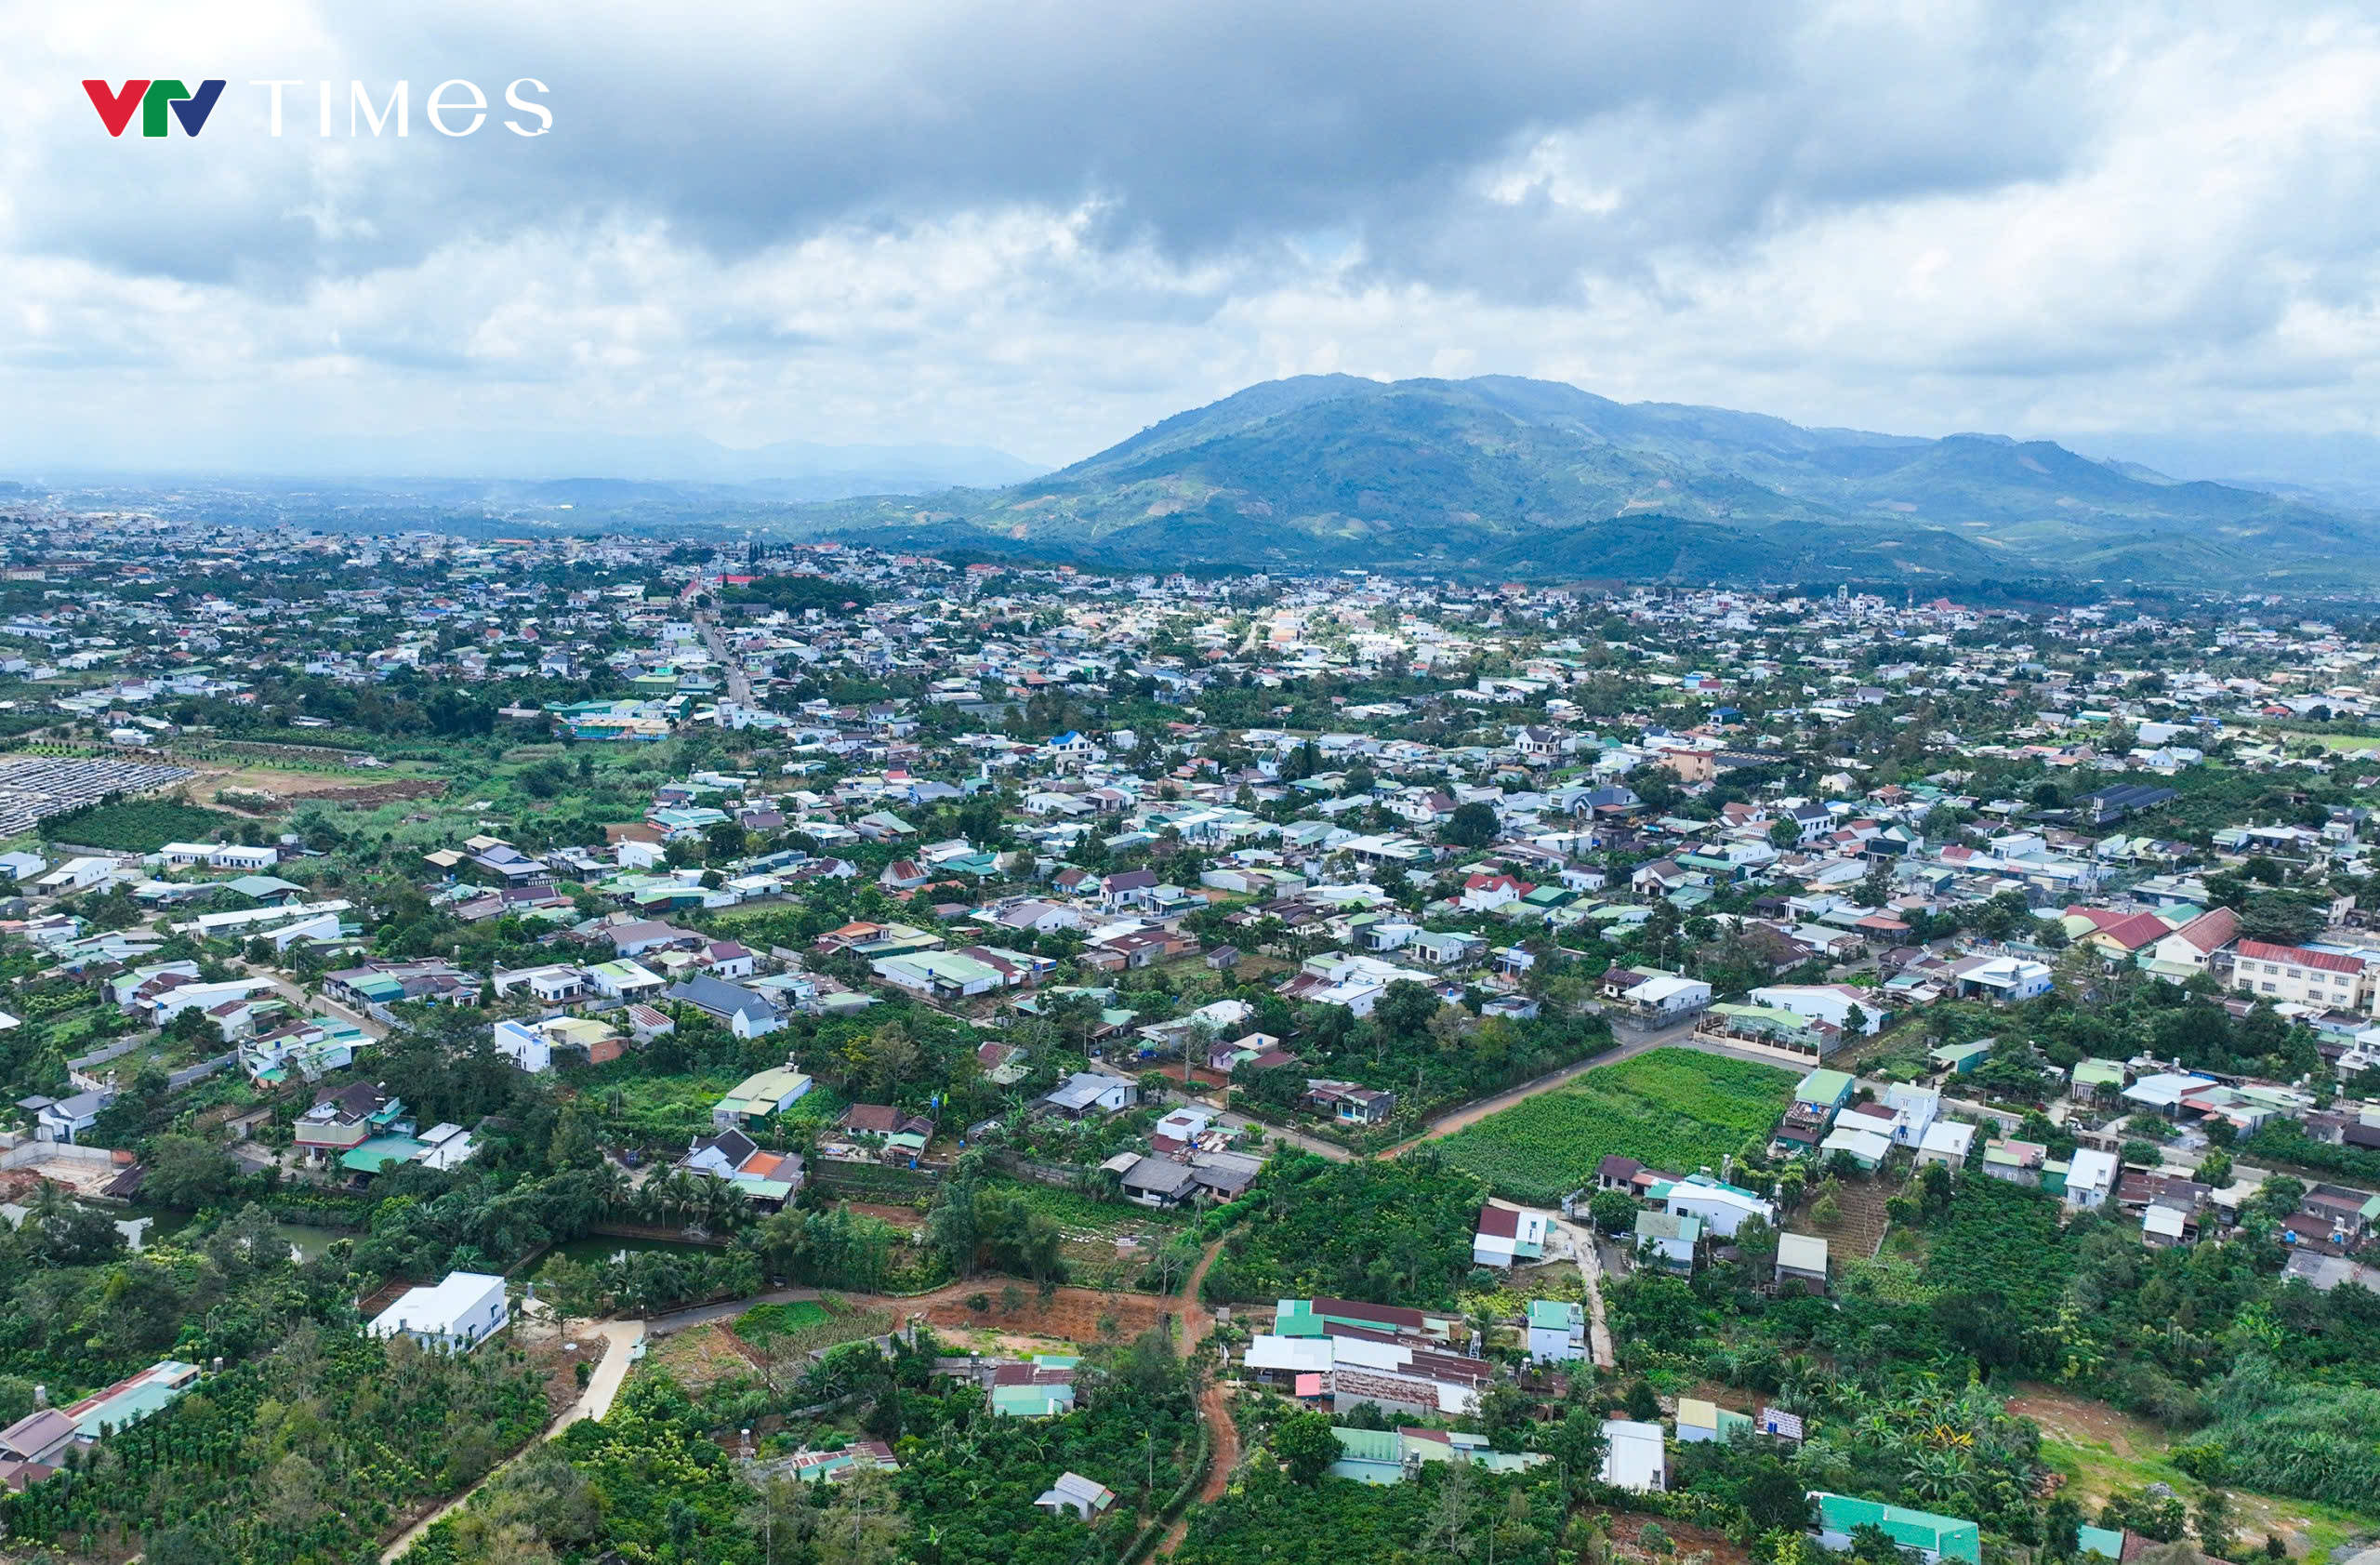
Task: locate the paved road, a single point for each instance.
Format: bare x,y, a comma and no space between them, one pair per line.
739,683
704,1314
319,1005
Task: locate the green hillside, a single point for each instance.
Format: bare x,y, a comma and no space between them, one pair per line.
1535,478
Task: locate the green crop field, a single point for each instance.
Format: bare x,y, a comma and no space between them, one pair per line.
1672,1108
137,825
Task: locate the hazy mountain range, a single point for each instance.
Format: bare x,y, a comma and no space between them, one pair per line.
1494,476
1529,477
526,465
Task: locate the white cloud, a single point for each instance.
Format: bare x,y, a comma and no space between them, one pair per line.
1041,230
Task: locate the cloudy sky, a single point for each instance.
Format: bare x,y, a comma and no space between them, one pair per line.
1040,224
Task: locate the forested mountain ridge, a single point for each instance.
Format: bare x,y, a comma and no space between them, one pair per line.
1529,477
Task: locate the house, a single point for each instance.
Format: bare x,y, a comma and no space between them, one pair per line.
1348,1102
1948,1142
2019,1162
1557,1330
1802,1258
1934,1538
767,1179
1044,1388
2091,1179
1666,998
1699,1420
1722,1208
1831,1003
761,1093
1670,1237
343,1119
1089,1091
1503,1237
65,1118
1158,1182
1635,1456
456,1314
895,1134
744,1013
1075,1492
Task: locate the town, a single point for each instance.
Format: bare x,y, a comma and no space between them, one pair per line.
681,1048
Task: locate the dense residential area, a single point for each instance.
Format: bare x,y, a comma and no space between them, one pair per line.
547,1046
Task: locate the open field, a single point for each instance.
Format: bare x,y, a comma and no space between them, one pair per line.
2099,1450
1672,1108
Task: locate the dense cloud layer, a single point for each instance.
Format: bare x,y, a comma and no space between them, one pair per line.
1040,225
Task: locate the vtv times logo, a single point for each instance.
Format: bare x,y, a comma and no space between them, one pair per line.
449,100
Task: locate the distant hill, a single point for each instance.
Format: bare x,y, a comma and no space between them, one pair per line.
1523,477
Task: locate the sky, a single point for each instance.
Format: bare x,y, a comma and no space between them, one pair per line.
1040,225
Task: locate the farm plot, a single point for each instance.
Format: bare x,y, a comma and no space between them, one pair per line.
1672,1108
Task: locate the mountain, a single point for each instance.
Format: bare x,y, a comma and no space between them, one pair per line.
1512,476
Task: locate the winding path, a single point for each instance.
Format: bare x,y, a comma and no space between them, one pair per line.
1214,1408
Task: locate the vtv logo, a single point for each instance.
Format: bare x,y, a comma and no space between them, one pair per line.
152,98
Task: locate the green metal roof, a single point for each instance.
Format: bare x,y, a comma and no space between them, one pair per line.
1823,1086
1948,1536
368,1157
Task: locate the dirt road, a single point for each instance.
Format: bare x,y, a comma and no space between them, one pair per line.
1214,1408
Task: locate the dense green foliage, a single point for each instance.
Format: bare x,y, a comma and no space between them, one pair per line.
1394,1232
303,1454
137,825
1672,1108
652,1482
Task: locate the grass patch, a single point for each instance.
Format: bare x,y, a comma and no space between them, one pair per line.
1676,1110
776,1320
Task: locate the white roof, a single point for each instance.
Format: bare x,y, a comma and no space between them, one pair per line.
2091,1171
1801,1251
1953,1136
2164,1090
2163,1221
436,1310
1666,987
1633,1457
1301,1355
1867,1145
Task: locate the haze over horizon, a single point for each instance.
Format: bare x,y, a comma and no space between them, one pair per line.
2144,234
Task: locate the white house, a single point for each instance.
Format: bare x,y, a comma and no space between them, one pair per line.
1633,1457
458,1315
525,1047
1916,1110
2091,1179
1668,997
1557,1330
1948,1142
1831,1003
1723,1208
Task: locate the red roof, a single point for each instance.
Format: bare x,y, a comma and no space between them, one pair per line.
2138,930
2327,962
2212,930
